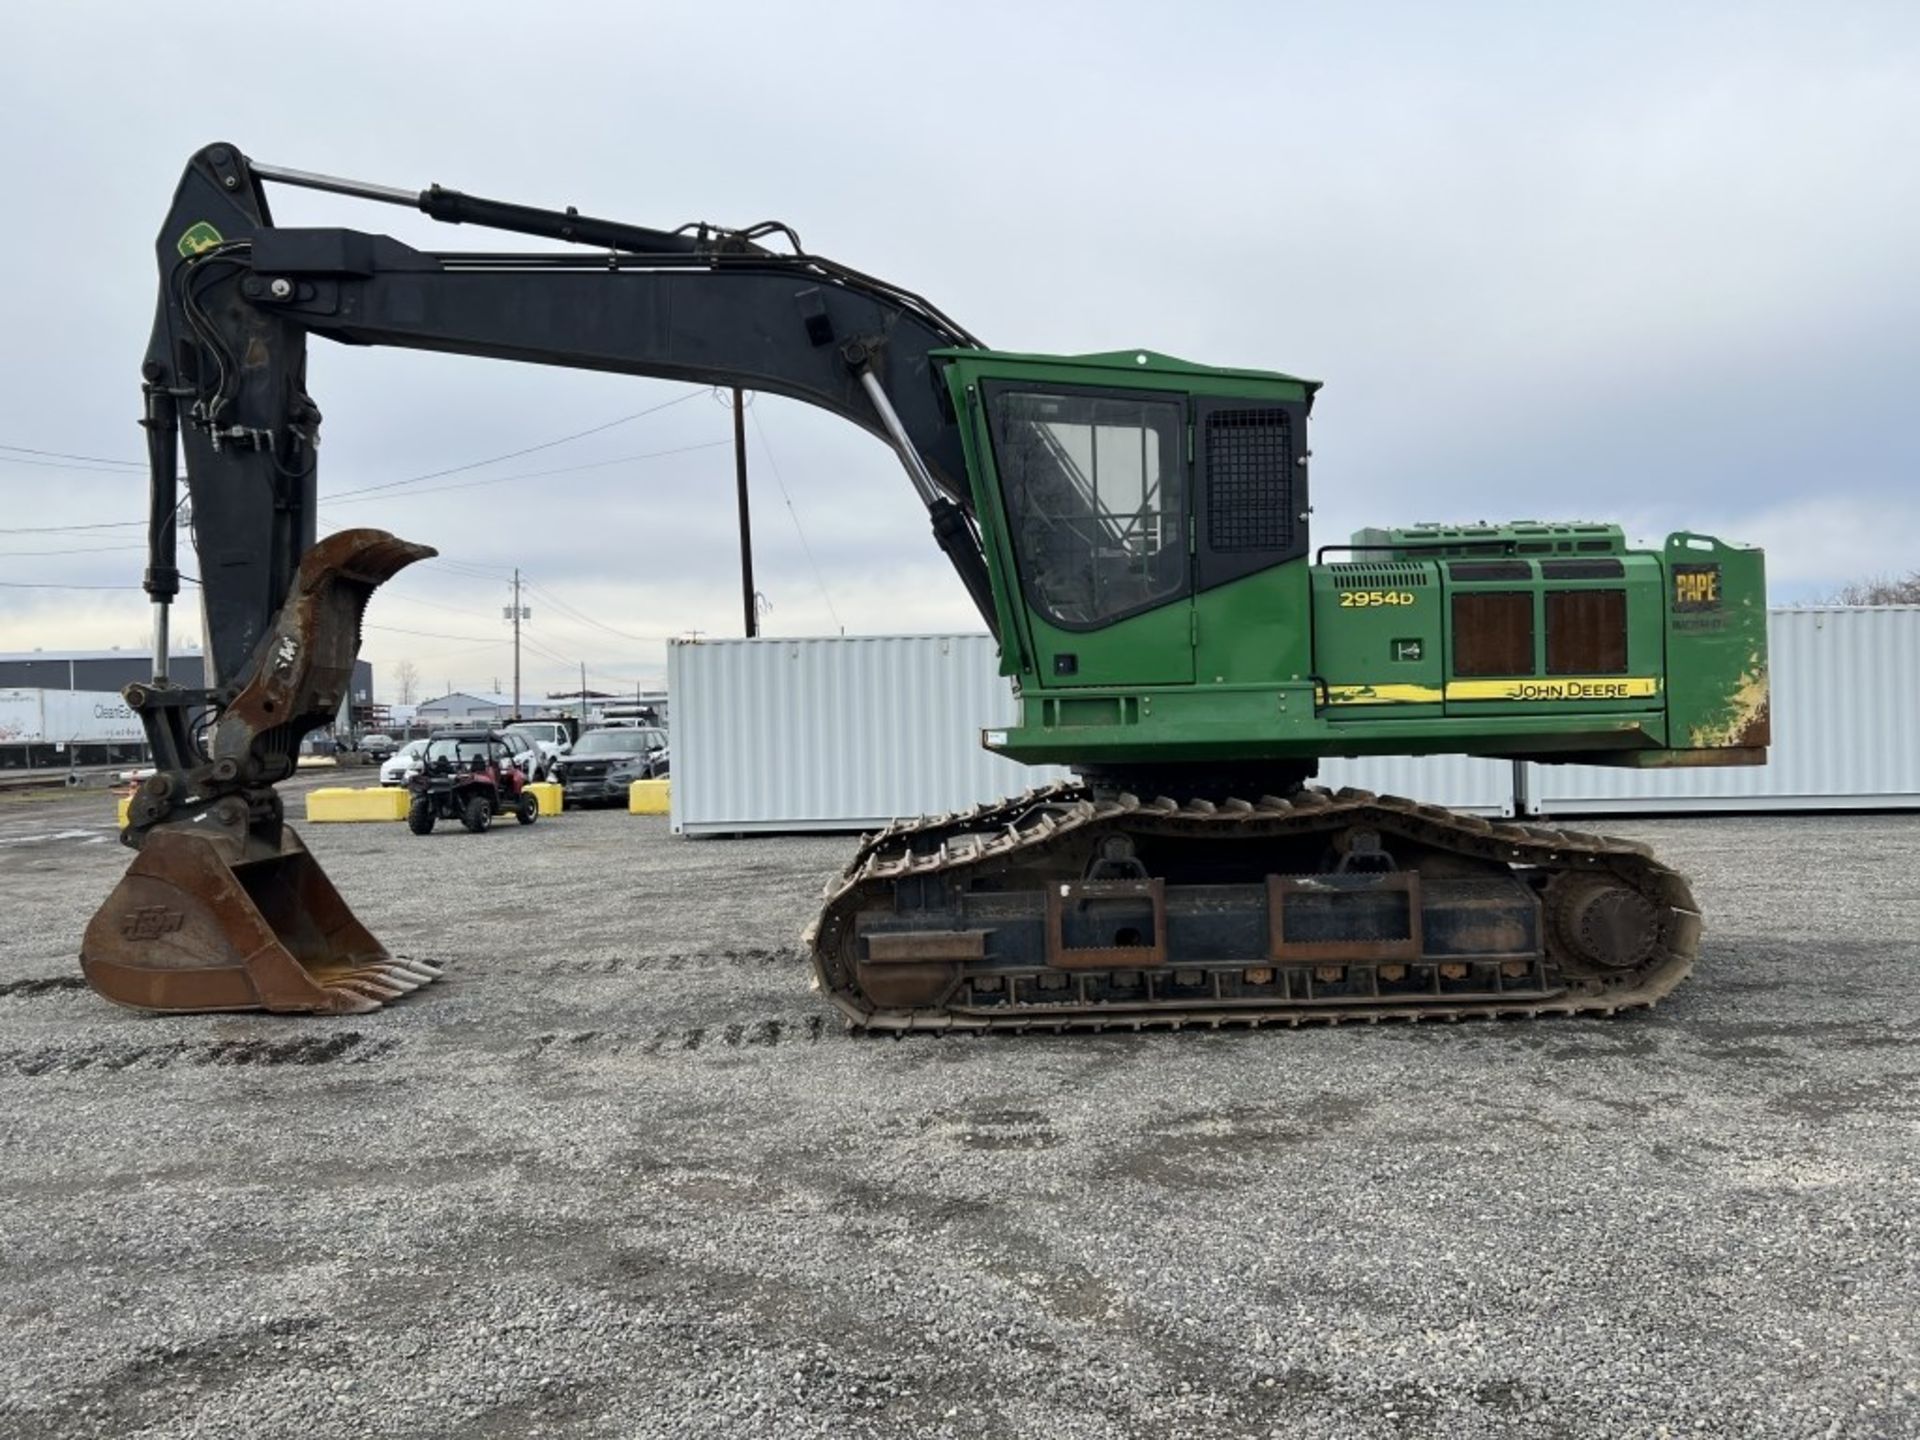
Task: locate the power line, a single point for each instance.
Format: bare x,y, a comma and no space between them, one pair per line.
67,465
25,585
360,497
472,567
427,634
528,450
62,529
64,455
599,624
805,548
81,550
623,682
404,599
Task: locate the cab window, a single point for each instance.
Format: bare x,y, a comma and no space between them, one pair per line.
1095,492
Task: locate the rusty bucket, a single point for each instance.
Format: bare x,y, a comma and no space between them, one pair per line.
223,908
205,920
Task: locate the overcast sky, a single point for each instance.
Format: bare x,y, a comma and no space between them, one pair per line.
1645,263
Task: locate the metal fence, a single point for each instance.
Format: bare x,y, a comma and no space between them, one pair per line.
848,733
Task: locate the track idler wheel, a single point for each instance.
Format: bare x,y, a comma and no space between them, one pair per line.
205,921
1603,923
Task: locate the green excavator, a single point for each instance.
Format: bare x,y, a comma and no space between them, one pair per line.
1134,530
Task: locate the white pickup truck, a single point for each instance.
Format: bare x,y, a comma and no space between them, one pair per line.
549,739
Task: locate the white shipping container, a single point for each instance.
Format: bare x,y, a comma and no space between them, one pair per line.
1460,782
836,734
1846,728
847,733
66,717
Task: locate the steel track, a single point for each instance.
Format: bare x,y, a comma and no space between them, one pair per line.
1061,819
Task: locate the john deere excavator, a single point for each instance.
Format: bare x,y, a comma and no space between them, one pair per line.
1134,530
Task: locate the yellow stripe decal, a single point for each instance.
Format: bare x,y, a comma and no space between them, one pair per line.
1600,687
1384,695
1559,688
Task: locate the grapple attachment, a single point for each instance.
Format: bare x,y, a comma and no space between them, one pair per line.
208,920
223,908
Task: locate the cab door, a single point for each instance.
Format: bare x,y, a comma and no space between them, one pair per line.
1094,485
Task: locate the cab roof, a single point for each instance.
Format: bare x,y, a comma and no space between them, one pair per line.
1131,362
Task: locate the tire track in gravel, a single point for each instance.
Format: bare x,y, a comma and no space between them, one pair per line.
350,1047
672,960
43,985
740,1035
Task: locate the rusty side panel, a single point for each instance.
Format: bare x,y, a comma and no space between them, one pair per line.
1149,951
1744,720
1401,941
912,946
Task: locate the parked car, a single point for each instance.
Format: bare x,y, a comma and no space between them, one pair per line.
556,736
406,760
603,763
541,750
379,746
469,776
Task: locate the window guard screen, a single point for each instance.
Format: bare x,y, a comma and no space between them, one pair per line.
1096,500
1249,480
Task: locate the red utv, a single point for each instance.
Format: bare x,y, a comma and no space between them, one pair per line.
469,776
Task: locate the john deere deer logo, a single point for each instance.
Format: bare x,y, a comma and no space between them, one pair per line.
200,236
150,922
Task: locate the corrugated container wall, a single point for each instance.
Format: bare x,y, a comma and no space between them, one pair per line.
845,734
1846,728
836,734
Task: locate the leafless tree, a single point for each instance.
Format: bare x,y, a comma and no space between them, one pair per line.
1881,590
406,681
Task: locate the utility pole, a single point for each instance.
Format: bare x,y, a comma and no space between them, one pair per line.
746,522
583,692
517,613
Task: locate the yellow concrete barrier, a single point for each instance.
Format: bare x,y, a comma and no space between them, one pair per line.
125,807
381,802
648,797
549,794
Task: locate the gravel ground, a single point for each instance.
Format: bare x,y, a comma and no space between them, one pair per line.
620,1174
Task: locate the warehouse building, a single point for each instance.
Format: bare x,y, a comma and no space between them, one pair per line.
482,708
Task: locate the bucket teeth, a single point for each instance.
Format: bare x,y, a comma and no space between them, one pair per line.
375,987
347,1002
419,969
380,981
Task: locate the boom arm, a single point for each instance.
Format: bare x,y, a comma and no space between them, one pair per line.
239,297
